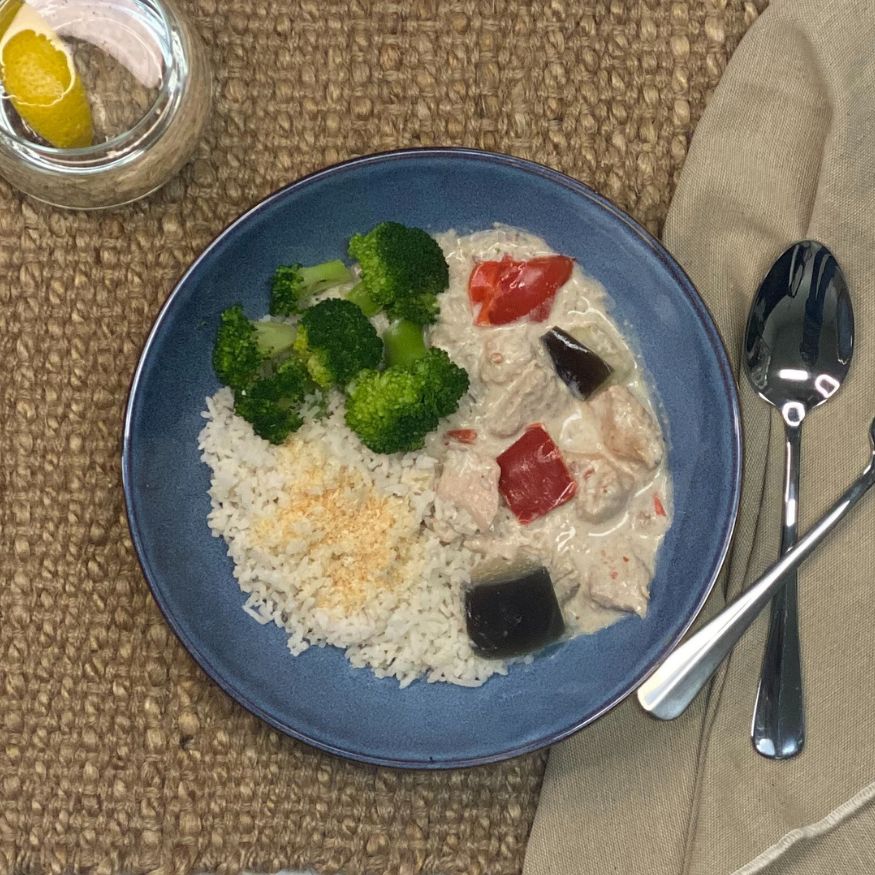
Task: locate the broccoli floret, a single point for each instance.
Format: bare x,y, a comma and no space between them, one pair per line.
422,309
292,284
392,411
403,270
443,381
272,403
291,380
269,383
446,382
236,358
243,346
386,410
269,419
336,341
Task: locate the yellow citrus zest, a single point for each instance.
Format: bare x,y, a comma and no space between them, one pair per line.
41,80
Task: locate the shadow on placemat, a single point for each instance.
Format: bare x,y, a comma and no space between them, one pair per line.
118,754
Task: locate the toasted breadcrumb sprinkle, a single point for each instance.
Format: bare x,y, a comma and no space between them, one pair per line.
338,512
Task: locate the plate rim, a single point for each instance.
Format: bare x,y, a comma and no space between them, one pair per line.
525,165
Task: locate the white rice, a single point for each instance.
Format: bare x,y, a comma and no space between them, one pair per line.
407,623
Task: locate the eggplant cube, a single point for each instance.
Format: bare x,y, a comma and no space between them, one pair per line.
514,614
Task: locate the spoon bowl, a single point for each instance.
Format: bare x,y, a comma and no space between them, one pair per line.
800,331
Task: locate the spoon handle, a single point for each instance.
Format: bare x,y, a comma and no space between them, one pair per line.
668,691
778,730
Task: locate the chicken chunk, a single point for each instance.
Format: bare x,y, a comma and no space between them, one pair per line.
627,429
527,398
505,352
618,579
603,489
467,493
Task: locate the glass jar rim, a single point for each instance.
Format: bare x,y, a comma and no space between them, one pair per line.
119,142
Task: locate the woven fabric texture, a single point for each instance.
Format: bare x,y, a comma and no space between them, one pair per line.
116,752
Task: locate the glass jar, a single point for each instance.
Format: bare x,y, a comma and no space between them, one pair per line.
124,120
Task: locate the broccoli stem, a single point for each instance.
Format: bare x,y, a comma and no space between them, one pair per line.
273,337
360,297
404,343
319,277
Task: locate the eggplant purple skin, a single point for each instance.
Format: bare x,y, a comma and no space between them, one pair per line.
513,616
582,370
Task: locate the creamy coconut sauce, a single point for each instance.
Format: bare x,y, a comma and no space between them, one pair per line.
601,546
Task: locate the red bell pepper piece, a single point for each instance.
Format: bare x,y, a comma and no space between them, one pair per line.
508,290
484,279
534,478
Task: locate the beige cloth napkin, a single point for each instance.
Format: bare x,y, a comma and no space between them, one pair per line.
785,151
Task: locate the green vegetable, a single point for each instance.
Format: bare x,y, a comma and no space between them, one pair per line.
393,410
236,357
270,419
242,347
273,366
403,271
386,410
404,343
272,403
255,359
422,309
358,294
273,338
443,381
292,284
336,341
290,381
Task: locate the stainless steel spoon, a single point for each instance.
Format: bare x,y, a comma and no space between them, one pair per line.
797,349
668,691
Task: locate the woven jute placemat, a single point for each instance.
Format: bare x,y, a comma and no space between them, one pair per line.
118,755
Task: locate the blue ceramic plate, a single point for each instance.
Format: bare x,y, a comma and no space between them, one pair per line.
317,696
